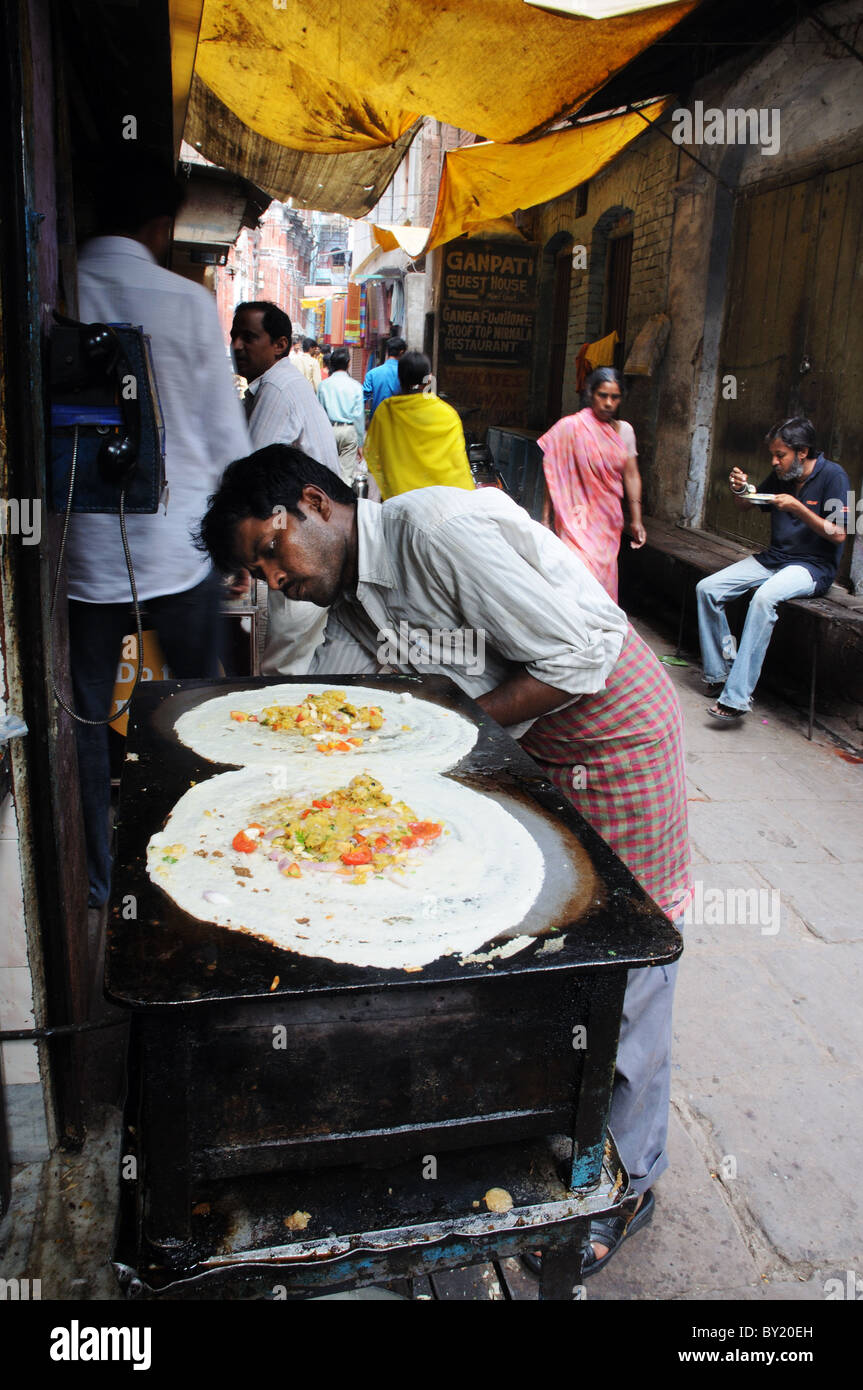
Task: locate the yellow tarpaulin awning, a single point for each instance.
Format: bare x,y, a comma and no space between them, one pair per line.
347,183
347,77
487,181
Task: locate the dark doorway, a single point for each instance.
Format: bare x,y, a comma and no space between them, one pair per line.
558,331
617,272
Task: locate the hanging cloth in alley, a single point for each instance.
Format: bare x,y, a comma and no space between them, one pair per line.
397,309
338,333
593,355
364,315
486,181
352,315
344,77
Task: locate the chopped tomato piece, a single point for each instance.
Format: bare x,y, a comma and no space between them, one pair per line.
381,842
361,855
253,719
343,747
407,842
244,843
425,829
293,871
322,805
239,715
357,742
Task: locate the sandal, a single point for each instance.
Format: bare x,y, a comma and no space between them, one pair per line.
720,711
612,1232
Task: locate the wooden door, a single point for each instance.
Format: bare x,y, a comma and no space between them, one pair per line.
793,337
559,331
618,269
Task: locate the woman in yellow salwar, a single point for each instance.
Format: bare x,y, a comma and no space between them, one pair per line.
415,439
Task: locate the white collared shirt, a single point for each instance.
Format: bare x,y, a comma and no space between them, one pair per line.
445,560
120,282
286,411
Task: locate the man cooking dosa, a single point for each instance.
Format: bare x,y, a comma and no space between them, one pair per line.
562,670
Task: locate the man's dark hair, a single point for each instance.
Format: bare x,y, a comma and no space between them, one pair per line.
340,360
308,344
395,347
275,321
414,371
256,486
797,433
132,186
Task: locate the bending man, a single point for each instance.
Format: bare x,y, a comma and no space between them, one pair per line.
444,558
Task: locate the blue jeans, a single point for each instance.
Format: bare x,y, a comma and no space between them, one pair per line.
740,668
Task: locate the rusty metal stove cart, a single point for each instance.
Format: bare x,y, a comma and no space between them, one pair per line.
399,1099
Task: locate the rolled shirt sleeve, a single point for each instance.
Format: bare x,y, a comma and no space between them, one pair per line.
536,603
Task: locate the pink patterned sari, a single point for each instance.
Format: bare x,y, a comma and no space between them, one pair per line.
583,461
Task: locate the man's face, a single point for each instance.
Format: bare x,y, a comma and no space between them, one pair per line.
254,350
305,557
788,462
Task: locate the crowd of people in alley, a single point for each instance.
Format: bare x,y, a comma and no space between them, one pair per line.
355,504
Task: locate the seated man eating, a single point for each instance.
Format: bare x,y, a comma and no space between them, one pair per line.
802,559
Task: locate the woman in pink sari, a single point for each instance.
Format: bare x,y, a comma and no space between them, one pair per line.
590,461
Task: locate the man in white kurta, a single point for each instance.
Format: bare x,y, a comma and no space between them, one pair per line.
282,408
120,281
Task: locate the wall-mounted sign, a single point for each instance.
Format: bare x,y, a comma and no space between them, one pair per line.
488,303
486,328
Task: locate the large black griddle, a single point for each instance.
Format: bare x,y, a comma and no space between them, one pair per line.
375,1066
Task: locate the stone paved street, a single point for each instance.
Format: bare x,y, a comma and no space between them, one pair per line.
767,1092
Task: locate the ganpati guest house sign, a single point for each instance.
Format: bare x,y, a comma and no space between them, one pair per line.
487,324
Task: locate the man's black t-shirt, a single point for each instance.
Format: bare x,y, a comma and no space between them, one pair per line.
792,542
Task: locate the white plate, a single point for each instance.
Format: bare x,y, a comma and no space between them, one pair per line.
760,498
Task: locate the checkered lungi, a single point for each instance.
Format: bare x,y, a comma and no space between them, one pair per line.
628,739
626,745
